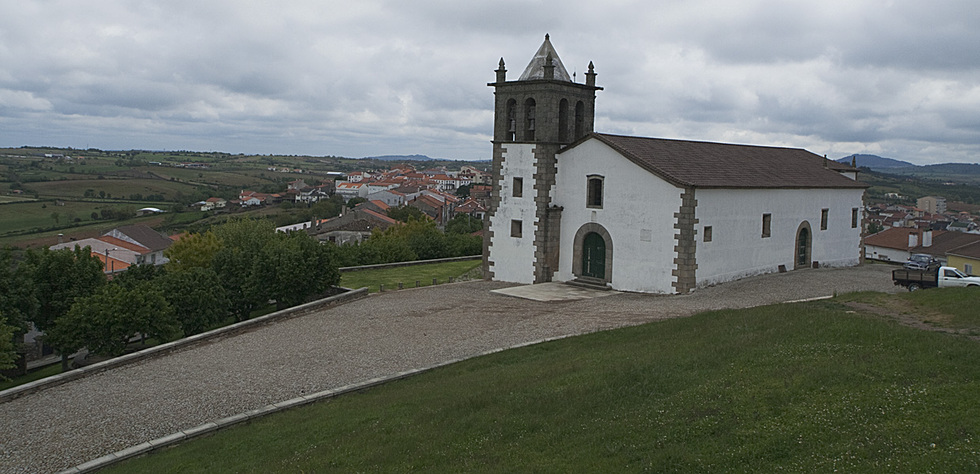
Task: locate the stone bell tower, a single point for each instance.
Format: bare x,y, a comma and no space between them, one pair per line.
534,118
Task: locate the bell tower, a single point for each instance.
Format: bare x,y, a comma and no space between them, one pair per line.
535,116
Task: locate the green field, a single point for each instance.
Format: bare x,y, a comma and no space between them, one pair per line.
807,387
118,188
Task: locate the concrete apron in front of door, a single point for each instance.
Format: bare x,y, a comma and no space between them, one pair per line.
552,291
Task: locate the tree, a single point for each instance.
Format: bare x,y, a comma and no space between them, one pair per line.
404,213
295,267
463,224
197,298
464,190
60,277
105,322
242,241
354,201
193,250
8,350
17,296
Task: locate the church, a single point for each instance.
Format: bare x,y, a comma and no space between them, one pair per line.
649,214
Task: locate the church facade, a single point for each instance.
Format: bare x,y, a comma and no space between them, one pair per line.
646,214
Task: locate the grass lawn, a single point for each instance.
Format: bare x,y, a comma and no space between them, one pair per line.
806,387
38,374
390,277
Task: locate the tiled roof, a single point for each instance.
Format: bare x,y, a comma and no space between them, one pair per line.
894,238
943,242
969,250
145,236
723,165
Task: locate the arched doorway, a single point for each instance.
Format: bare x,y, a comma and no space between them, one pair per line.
592,252
594,256
804,245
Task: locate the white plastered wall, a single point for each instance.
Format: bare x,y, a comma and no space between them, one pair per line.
512,259
638,212
737,248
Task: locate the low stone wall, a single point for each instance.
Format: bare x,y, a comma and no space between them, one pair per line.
167,348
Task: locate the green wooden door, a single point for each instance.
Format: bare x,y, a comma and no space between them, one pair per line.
801,248
594,256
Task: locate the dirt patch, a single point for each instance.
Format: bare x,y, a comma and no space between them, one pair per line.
912,319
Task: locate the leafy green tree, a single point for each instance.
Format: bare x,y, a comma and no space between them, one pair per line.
105,322
193,251
327,208
197,298
404,213
8,350
463,245
354,201
59,278
294,267
18,300
463,224
137,275
464,190
242,241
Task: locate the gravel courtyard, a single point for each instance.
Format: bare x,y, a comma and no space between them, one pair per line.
380,335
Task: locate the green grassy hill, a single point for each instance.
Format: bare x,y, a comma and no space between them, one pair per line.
809,387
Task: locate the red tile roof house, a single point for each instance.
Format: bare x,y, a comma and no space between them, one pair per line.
897,244
353,227
124,246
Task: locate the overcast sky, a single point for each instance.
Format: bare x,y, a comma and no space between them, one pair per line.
356,78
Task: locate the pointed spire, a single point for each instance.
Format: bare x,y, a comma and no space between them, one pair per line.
501,72
535,69
590,76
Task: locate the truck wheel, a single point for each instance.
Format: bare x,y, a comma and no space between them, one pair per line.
914,286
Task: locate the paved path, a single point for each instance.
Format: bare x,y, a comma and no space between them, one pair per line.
377,336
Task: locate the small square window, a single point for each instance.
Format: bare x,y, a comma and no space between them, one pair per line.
707,233
854,218
766,225
823,218
518,187
968,269
516,229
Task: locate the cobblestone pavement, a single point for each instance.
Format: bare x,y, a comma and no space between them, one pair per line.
380,335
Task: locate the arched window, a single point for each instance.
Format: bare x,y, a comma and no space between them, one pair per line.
511,120
563,120
529,120
594,192
579,120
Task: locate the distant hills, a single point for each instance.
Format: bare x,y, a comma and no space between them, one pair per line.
951,172
875,162
401,158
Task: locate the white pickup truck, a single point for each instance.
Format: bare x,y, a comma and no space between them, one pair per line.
942,277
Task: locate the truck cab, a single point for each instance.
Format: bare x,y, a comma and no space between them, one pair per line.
949,276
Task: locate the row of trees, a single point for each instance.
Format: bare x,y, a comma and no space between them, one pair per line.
214,277
417,239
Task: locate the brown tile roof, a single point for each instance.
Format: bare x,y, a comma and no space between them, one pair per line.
943,242
146,236
894,238
723,165
969,250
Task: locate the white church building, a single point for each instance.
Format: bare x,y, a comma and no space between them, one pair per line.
647,214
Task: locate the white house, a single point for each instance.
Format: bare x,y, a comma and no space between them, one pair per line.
645,214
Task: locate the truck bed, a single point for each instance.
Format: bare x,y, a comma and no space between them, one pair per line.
922,278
